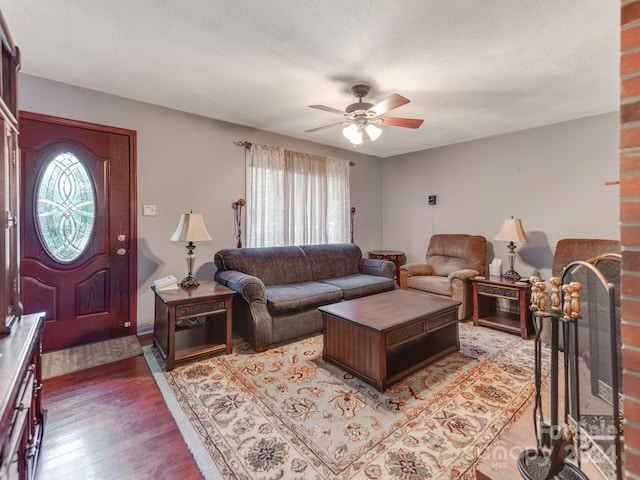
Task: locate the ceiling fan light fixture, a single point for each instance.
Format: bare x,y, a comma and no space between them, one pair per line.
364,118
353,134
373,131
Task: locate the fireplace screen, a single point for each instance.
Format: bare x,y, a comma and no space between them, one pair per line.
595,363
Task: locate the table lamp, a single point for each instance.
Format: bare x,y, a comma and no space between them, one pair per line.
512,231
190,229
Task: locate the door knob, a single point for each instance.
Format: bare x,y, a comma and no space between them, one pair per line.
121,238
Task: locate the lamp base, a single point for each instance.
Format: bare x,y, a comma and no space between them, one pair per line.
512,275
189,282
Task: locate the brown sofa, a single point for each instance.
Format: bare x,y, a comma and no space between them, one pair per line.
451,260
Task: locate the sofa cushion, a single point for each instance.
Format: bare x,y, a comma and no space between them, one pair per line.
282,299
359,285
432,284
272,265
332,260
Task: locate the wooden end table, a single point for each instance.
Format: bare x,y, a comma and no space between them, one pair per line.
192,322
399,258
486,293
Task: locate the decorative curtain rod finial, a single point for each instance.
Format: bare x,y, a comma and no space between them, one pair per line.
237,214
353,213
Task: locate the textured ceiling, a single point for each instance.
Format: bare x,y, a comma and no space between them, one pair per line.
471,68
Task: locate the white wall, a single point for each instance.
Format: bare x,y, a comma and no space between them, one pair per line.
551,177
189,162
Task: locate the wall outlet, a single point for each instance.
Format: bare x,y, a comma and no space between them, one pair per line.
432,199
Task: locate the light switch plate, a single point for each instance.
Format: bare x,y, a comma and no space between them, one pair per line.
149,211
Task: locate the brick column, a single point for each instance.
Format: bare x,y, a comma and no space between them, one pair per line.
630,230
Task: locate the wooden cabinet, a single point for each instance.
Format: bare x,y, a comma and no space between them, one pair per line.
9,181
22,417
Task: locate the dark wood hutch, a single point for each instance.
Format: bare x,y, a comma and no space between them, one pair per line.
21,414
9,238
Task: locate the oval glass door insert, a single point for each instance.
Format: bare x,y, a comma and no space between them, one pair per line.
65,207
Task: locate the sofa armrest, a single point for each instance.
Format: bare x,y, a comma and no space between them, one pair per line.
461,291
251,288
412,269
465,274
379,268
251,317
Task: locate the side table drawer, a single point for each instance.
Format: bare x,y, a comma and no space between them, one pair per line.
497,291
190,311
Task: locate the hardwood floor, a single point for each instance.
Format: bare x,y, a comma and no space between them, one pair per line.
110,422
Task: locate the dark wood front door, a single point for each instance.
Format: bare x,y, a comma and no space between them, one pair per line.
78,229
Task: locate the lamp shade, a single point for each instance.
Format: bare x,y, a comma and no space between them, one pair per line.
191,229
512,231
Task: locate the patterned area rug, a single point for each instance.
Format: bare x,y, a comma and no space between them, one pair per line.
82,357
285,413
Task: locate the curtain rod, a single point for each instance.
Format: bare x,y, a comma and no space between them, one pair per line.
247,144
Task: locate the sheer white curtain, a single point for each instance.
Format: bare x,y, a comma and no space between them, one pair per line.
265,187
339,216
296,198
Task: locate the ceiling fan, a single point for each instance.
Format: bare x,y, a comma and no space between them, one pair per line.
362,118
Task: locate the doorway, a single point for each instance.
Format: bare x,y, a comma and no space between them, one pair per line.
78,226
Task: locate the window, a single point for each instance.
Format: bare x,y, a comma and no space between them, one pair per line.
296,198
65,207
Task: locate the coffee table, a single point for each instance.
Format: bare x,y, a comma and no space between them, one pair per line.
385,337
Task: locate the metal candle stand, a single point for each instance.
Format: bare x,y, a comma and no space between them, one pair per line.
553,444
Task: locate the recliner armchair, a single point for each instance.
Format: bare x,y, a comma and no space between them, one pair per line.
569,250
451,260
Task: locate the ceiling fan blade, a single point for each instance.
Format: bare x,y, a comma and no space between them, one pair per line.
328,109
402,122
392,101
325,126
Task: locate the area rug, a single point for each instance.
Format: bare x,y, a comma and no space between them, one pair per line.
90,355
285,413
